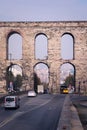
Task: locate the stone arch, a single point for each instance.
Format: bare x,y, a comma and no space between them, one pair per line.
68,39
41,37
41,63
11,74
68,33
67,70
41,33
12,34
41,71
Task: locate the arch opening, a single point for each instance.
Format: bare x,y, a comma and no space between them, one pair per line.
41,47
67,46
41,77
67,75
14,78
14,43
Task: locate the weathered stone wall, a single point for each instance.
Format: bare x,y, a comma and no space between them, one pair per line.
54,32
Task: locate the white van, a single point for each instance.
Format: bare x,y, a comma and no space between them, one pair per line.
12,102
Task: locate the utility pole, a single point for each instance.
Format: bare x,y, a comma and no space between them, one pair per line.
10,57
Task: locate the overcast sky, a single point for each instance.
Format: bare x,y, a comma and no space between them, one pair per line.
43,10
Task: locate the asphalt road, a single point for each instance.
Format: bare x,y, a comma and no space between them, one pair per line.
39,113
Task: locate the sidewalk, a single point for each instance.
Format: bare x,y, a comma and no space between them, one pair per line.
75,120
69,119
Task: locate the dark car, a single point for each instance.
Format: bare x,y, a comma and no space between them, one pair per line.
64,89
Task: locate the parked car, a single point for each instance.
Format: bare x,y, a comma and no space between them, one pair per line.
12,102
31,93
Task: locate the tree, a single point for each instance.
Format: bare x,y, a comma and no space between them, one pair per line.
18,82
70,80
9,77
36,81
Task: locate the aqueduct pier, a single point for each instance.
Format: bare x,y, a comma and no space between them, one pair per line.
54,31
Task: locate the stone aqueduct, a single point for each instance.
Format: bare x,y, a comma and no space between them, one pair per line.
53,31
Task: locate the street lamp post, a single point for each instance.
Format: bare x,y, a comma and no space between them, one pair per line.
84,87
79,88
10,70
10,57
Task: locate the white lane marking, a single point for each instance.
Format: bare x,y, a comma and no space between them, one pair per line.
3,123
10,119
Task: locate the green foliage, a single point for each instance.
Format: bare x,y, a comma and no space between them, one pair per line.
70,80
9,77
36,81
18,82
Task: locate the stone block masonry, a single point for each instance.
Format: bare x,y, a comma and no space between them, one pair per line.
54,31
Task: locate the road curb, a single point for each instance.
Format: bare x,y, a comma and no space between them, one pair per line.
64,122
69,119
75,121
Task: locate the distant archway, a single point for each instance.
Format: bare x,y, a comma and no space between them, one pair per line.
41,76
14,77
67,74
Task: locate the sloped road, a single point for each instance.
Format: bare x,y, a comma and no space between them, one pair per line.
39,113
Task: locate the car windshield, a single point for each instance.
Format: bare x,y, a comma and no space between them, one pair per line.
31,91
63,87
9,99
